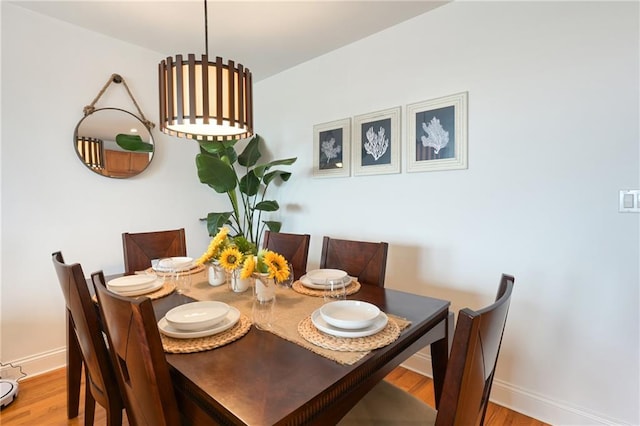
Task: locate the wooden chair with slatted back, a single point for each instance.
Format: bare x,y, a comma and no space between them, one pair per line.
138,356
367,261
140,248
468,379
101,384
294,248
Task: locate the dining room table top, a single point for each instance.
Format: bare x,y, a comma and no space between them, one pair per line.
272,377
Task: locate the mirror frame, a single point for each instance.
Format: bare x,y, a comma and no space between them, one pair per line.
94,146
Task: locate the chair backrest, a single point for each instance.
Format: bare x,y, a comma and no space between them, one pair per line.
366,261
472,364
88,330
140,248
136,351
294,248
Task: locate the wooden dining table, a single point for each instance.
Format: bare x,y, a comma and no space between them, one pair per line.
263,379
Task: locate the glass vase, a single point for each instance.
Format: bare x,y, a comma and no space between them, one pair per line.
237,284
264,302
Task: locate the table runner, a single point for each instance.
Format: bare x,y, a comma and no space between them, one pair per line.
291,308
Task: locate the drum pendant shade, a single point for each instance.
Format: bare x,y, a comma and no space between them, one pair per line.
205,100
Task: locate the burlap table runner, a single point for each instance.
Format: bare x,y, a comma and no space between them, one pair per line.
291,309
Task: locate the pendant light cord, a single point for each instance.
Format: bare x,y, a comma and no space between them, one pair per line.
116,78
206,30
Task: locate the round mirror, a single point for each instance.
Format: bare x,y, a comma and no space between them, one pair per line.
114,143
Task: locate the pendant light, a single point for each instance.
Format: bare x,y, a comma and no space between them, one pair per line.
205,100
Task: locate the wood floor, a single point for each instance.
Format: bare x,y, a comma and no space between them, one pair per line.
42,402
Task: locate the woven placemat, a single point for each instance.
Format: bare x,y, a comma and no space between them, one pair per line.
185,346
347,344
194,270
300,288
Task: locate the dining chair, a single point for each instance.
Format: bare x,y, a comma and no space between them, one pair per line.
468,379
138,356
294,248
101,383
140,248
365,260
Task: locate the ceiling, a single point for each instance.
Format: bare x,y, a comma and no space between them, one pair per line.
265,36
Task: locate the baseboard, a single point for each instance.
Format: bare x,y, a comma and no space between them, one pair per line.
42,363
527,402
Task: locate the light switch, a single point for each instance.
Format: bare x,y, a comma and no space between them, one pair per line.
629,201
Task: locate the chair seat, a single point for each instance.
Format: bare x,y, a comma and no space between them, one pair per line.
387,404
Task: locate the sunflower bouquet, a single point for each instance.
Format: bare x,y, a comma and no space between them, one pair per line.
236,253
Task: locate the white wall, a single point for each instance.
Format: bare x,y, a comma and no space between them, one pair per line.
553,135
50,200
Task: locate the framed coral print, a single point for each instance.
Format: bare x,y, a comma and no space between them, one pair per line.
376,143
437,134
331,148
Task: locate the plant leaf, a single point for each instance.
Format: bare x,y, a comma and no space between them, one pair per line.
274,174
251,153
260,169
274,226
267,206
217,220
216,173
249,184
133,143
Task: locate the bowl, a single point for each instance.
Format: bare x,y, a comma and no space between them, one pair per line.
349,314
197,315
131,282
171,264
321,276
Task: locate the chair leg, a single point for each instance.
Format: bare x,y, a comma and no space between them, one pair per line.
114,417
89,403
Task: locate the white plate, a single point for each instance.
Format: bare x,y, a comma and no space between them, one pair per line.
321,276
131,282
171,264
307,283
152,287
197,315
349,314
229,321
379,324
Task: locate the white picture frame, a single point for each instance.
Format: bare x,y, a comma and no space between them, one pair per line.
332,149
376,143
430,127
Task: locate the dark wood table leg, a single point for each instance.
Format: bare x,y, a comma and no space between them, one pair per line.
440,358
74,370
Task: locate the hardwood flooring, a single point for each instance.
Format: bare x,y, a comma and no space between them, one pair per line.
42,401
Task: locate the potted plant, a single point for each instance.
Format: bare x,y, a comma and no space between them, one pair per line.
245,182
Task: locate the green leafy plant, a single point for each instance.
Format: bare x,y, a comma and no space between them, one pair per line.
133,143
245,182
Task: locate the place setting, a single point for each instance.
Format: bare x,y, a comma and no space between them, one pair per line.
171,265
350,325
201,326
149,285
316,282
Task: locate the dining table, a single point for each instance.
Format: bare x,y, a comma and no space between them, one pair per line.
285,375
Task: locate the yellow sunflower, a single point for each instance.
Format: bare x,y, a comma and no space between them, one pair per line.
277,265
231,258
248,267
214,246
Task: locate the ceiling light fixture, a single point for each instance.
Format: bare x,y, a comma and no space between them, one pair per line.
205,100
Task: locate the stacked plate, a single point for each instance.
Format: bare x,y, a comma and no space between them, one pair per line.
173,264
319,279
198,319
349,318
135,285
